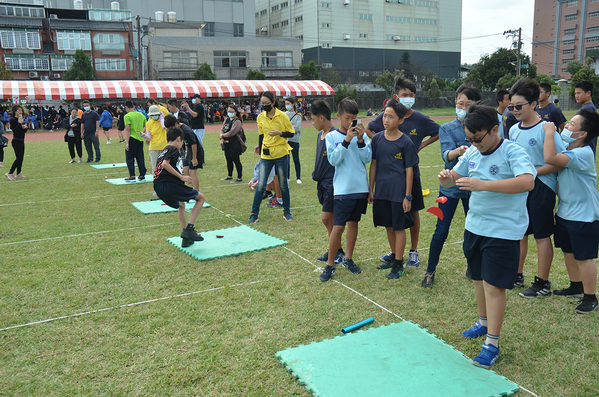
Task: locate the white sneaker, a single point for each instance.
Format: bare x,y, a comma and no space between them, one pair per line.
108,142
299,181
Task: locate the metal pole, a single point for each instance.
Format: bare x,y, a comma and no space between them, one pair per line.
139,59
519,45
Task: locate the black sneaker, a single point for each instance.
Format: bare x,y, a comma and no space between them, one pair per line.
267,195
351,265
519,283
190,233
570,292
587,305
89,161
186,243
141,178
396,272
539,288
429,280
130,179
327,273
324,257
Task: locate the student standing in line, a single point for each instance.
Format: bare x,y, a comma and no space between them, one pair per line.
547,110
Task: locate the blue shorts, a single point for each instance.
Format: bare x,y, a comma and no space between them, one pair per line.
174,193
348,210
390,214
325,195
578,238
540,205
492,259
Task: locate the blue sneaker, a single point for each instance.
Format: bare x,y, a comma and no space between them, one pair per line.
287,216
274,203
414,260
475,332
253,218
388,257
487,357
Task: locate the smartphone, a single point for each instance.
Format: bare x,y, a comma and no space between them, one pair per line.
355,122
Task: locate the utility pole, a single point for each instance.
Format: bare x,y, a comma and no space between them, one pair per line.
518,46
139,64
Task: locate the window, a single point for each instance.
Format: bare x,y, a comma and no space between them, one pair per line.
566,52
208,30
275,25
326,5
425,21
367,17
325,25
285,4
61,62
327,65
569,42
285,23
274,8
572,3
326,45
257,14
593,29
363,35
230,59
564,70
397,19
397,38
29,39
277,59
180,59
301,37
569,32
425,39
263,12
571,17
109,41
22,11
27,62
592,39
565,61
593,14
96,14
425,3
237,30
298,1
73,40
110,64
299,19
363,73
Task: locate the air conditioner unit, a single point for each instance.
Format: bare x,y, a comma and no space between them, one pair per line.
53,16
264,29
33,75
397,38
346,36
56,75
345,2
44,78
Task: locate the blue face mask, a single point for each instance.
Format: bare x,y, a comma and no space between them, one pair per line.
193,101
567,136
86,108
231,115
461,113
407,102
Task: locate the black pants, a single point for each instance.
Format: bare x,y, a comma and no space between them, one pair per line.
89,141
296,161
233,159
1,152
19,148
135,152
74,142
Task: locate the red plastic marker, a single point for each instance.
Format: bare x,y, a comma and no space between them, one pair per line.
217,236
441,199
436,211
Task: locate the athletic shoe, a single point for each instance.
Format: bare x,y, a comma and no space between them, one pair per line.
253,218
519,283
186,243
475,332
287,216
569,292
79,161
123,141
238,180
487,357
71,162
414,260
323,258
396,272
587,305
89,160
10,176
339,257
274,203
267,195
130,179
98,160
227,178
19,175
351,265
538,288
299,181
108,142
388,257
429,280
327,273
386,265
141,178
189,233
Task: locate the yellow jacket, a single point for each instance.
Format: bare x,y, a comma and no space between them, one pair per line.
277,145
158,141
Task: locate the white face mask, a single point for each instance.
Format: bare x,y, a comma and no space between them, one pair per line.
231,115
407,102
289,107
193,101
86,108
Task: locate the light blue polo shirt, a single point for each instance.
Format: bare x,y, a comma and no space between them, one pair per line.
578,196
532,140
491,214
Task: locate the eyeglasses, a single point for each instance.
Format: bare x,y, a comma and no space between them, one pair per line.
517,107
479,140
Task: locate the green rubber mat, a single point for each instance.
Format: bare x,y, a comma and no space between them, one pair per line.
158,206
115,165
395,360
122,181
234,241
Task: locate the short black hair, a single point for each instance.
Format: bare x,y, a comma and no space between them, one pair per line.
271,97
586,86
590,124
501,95
546,87
173,133
129,104
348,105
197,96
86,101
170,121
399,109
172,102
321,108
526,88
471,92
402,83
480,118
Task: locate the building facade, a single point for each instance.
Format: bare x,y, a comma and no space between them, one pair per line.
564,31
368,36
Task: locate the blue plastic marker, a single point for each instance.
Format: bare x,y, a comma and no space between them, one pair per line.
357,325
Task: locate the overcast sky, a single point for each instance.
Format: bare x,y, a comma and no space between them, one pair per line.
487,17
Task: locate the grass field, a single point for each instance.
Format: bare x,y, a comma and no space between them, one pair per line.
71,243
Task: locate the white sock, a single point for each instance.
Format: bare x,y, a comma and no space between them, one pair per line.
482,320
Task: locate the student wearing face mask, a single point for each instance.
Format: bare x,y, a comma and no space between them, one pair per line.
296,122
91,126
155,126
230,139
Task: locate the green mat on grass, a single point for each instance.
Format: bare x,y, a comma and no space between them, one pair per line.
158,206
122,181
235,241
114,165
395,360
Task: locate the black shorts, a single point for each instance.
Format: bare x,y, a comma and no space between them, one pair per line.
492,259
174,193
578,238
188,161
417,197
106,129
390,214
540,205
325,195
348,210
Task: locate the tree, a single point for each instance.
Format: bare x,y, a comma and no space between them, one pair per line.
434,92
308,71
492,67
453,84
386,80
81,69
5,72
473,77
506,82
405,64
331,76
532,71
204,72
255,74
343,91
573,67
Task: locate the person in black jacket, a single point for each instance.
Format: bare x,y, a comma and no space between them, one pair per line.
173,107
73,136
120,124
18,125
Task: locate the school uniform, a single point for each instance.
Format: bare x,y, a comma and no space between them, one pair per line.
323,174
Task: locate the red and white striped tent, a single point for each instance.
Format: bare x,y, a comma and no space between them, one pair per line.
63,90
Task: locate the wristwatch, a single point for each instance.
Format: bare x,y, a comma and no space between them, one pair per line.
409,198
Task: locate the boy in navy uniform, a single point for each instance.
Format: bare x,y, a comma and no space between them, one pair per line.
529,133
348,150
577,216
416,126
323,170
583,93
503,100
169,184
499,174
547,110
